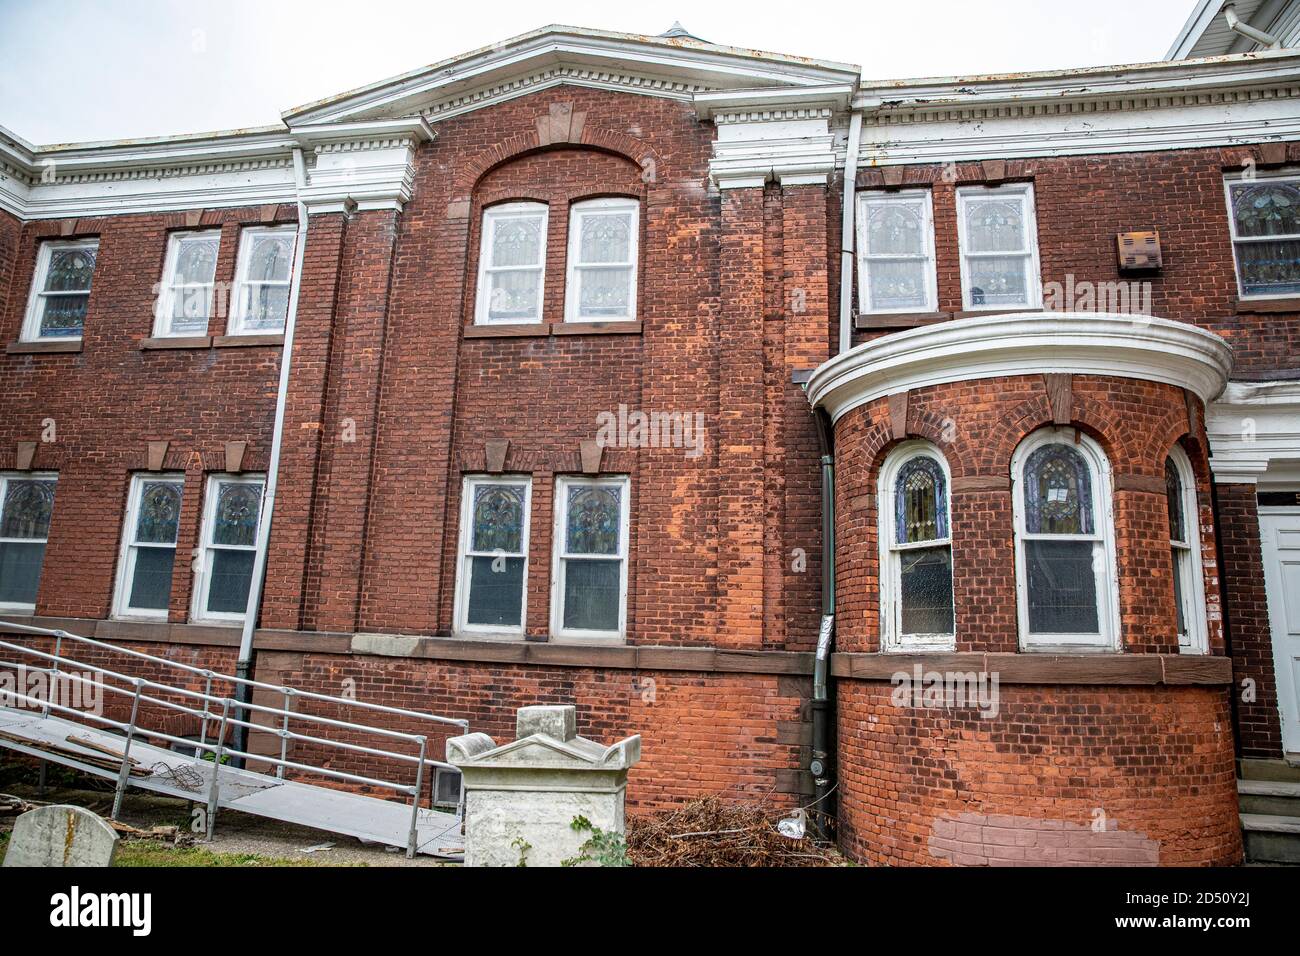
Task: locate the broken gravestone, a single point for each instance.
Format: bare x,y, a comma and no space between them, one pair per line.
522,799
60,836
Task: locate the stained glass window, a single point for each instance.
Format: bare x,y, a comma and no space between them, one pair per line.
602,260
61,293
1266,235
150,555
498,517
920,501
1181,501
1058,492
592,557
896,249
26,505
999,258
917,581
230,537
1174,497
495,559
265,269
512,255
185,302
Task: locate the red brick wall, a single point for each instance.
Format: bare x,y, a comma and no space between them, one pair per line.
1084,201
977,425
1060,776
1258,723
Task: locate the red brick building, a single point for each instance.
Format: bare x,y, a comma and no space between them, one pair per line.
595,337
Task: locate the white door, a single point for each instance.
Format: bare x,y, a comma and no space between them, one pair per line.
1280,536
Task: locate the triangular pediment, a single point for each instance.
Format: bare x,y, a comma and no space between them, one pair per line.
672,66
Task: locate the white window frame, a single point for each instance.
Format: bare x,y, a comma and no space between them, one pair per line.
906,197
1195,641
465,555
130,549
236,324
203,570
559,557
1238,179
1033,280
891,565
13,607
483,297
170,287
1108,621
31,331
573,273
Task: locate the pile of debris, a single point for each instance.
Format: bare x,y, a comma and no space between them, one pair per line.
11,807
711,832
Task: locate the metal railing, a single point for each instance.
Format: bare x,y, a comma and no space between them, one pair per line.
224,712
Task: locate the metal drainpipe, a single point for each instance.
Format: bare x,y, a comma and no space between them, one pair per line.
244,665
822,764
846,231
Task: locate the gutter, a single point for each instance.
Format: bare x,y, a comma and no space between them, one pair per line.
244,663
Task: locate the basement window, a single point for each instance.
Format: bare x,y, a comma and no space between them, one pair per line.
144,577
26,506
601,284
999,247
589,596
491,587
1264,219
263,275
896,271
232,508
511,264
185,295
56,309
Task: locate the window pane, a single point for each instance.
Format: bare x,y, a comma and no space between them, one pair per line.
1267,208
1179,572
70,270
591,594
498,518
897,284
606,237
994,225
232,572
1174,497
1269,268
196,260
265,307
1062,587
63,315
270,258
513,295
190,307
20,572
927,591
517,241
895,229
496,592
593,519
27,508
236,513
159,512
997,281
1058,492
152,586
604,291
920,501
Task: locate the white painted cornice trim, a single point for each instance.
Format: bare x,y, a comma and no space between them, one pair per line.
1125,346
1254,432
778,102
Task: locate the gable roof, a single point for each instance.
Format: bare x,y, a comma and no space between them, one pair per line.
677,66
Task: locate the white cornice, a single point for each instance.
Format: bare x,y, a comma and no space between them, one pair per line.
1125,346
1254,432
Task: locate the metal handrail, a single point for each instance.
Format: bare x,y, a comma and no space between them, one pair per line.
60,669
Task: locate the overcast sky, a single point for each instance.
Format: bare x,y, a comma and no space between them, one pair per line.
80,70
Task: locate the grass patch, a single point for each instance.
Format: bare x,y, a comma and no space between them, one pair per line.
150,853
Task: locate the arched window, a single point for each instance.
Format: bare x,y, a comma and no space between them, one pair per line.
916,609
1185,548
1065,553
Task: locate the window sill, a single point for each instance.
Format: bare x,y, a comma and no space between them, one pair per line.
176,342
540,330
972,313
598,328
507,330
240,341
37,348
1247,306
898,320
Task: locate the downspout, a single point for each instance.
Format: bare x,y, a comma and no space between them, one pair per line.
846,231
244,664
821,765
1240,27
